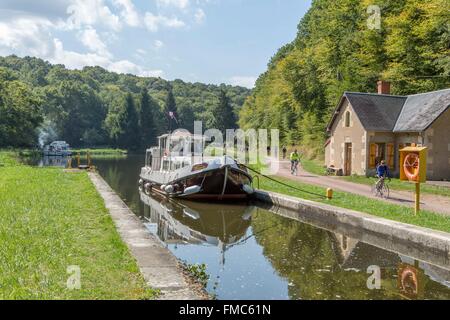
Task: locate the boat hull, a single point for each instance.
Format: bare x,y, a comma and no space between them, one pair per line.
225,183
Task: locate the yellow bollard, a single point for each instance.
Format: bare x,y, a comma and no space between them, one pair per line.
69,163
329,193
78,160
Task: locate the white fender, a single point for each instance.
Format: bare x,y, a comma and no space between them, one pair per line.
169,189
192,190
247,189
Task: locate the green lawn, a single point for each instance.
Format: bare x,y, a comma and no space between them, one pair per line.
316,167
313,166
356,202
50,220
397,184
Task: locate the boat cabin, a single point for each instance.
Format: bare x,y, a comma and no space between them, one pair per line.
174,151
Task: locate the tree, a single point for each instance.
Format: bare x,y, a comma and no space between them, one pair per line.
171,111
335,51
20,113
86,107
223,117
146,119
129,123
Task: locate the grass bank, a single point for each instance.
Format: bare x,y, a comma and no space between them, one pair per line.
313,166
51,220
397,184
100,152
356,202
316,167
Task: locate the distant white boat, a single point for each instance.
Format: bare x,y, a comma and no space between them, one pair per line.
190,174
57,148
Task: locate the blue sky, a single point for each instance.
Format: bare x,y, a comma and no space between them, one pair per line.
211,41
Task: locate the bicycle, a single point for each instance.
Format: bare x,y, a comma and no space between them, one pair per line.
294,167
381,188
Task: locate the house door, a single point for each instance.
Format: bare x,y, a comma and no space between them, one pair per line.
348,159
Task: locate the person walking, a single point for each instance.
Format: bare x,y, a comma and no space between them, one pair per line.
284,152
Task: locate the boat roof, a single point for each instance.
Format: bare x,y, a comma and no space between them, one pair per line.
181,134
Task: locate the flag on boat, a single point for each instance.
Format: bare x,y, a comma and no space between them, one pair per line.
172,116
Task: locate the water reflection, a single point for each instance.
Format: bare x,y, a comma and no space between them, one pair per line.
257,253
183,222
311,263
47,161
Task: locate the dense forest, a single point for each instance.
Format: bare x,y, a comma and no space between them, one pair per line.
40,102
341,46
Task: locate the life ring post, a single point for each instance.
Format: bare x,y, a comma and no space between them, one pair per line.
417,199
413,168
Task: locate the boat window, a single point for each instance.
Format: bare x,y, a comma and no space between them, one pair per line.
149,159
166,165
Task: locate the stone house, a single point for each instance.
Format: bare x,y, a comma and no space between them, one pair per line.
366,128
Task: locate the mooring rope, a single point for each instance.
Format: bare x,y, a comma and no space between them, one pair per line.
285,184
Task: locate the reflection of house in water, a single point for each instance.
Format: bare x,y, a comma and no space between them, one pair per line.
354,254
197,223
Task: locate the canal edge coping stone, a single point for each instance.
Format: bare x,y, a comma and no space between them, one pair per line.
416,236
159,267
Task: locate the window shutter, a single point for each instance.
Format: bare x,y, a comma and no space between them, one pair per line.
390,155
372,155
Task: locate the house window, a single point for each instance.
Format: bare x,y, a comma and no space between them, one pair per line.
378,153
347,119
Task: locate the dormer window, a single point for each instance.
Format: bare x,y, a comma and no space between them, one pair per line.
347,119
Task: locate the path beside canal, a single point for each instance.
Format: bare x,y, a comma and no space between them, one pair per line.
160,268
439,204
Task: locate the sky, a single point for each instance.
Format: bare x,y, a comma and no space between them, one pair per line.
209,41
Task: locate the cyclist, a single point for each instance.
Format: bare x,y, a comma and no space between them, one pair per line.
295,159
382,173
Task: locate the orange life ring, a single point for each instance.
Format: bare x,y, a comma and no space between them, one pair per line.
409,281
411,166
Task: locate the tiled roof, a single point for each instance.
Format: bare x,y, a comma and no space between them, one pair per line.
375,111
421,110
379,112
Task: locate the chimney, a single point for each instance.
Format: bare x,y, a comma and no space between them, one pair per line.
384,87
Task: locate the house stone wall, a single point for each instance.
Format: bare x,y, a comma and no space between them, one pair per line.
340,135
437,139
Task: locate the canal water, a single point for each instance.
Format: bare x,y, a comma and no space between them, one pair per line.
254,253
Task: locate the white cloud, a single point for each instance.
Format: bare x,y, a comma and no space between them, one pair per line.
27,36
181,4
153,22
90,38
248,82
128,13
199,16
91,12
125,66
141,51
158,44
75,60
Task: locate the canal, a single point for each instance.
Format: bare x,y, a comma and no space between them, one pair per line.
254,253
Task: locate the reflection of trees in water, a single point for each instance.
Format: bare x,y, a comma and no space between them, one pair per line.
312,262
122,175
